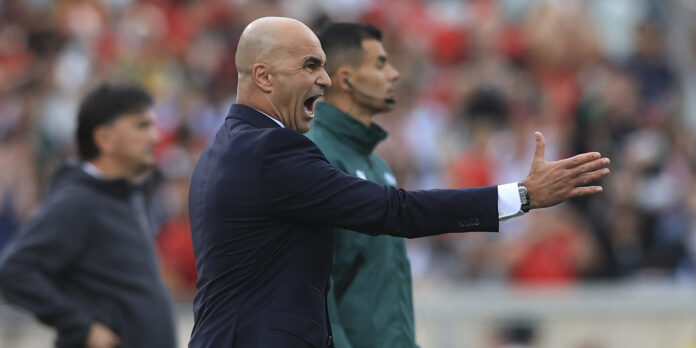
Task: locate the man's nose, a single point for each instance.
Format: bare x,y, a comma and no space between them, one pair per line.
395,74
155,135
324,80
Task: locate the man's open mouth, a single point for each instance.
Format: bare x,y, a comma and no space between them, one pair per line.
309,105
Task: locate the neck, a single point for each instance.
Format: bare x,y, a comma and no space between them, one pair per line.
346,104
109,169
260,104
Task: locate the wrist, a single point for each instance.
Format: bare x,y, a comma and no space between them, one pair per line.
525,201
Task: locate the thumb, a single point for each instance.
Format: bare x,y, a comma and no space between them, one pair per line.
540,149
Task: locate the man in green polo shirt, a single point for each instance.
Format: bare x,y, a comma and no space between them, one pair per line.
370,303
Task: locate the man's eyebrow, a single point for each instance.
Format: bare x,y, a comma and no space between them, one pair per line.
315,60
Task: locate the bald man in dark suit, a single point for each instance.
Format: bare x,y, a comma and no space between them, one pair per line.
264,198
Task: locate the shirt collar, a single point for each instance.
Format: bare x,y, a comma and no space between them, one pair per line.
92,170
273,119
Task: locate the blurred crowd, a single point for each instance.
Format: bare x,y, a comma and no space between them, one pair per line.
478,77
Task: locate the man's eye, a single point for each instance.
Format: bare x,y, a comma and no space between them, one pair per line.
311,66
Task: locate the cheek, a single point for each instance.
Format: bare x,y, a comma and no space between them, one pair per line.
286,99
375,82
384,79
122,140
136,142
285,91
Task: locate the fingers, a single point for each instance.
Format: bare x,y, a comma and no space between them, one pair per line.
587,178
585,190
578,160
540,149
590,166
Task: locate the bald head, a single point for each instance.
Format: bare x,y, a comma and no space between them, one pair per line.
268,39
281,70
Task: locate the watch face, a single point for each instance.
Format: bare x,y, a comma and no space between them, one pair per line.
524,199
523,195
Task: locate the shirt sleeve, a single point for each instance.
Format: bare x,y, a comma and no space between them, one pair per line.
509,203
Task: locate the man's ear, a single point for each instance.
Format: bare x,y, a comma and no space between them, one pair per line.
263,76
103,139
344,78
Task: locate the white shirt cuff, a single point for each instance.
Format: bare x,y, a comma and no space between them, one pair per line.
509,204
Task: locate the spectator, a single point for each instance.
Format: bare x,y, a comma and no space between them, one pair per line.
85,264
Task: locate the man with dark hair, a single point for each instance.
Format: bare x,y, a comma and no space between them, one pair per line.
371,275
264,198
85,264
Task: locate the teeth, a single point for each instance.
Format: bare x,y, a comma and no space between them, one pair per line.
309,113
309,105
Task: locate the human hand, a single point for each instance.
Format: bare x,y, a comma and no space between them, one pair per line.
550,183
101,336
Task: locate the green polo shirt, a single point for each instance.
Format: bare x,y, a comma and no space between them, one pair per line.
370,302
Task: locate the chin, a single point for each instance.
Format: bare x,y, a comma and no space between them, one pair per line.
383,109
304,128
145,167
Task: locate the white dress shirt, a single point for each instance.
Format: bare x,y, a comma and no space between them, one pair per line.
274,120
509,203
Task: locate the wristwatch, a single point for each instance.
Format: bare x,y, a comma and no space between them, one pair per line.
524,197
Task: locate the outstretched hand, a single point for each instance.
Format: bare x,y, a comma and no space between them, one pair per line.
550,183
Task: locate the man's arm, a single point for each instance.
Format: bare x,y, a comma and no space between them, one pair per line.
34,260
301,185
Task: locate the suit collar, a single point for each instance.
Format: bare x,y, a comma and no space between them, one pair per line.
251,116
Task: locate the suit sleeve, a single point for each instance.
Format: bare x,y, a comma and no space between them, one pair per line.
36,258
301,185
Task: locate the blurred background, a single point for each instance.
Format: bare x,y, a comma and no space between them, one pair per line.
478,77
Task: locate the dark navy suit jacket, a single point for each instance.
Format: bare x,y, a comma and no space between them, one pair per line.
262,203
